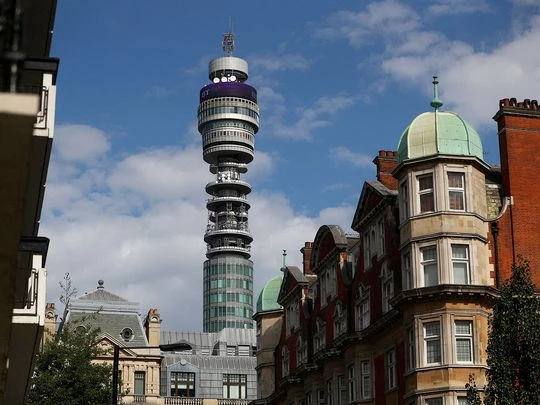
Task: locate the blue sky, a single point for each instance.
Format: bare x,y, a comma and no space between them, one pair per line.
337,81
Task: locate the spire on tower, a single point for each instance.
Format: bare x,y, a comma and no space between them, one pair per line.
436,102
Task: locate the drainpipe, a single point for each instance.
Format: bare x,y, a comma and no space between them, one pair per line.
495,233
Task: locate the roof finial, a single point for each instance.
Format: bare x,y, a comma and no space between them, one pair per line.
100,284
228,40
284,260
436,102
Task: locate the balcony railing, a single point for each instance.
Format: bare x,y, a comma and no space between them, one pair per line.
43,92
34,299
183,401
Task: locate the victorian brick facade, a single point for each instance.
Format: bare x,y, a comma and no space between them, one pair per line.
398,313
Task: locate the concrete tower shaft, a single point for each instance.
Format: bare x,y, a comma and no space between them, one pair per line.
228,119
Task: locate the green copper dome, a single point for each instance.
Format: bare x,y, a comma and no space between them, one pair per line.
439,132
267,300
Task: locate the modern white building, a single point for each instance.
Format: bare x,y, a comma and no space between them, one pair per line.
27,109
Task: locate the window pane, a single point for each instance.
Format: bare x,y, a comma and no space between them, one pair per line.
463,327
425,182
456,200
455,180
432,333
434,401
459,251
461,273
463,350
426,202
429,254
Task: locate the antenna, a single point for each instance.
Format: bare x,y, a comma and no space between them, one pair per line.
228,40
284,259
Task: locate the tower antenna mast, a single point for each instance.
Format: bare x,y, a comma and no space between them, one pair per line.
228,40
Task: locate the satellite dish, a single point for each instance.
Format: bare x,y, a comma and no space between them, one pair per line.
223,79
216,80
232,78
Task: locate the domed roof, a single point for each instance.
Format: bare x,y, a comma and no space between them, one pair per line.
439,132
267,300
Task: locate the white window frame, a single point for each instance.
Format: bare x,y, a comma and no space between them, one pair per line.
404,206
301,350
340,319
408,279
367,250
365,379
456,190
432,339
387,287
341,390
363,313
319,337
391,375
329,397
464,337
429,262
460,261
381,236
351,383
425,192
411,349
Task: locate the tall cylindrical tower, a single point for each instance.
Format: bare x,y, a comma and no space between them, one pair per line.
228,119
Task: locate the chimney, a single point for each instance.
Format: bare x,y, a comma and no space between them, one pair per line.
152,324
518,124
386,161
306,254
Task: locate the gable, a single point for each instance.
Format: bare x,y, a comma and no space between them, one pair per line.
373,194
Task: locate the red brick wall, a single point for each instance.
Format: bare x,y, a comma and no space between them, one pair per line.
519,142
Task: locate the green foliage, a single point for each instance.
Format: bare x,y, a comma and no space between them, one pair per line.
514,338
473,397
65,373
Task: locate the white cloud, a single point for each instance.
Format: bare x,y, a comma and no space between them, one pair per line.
307,119
385,18
344,154
81,143
138,225
471,80
453,7
278,62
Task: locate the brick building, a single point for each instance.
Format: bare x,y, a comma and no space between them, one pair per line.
398,314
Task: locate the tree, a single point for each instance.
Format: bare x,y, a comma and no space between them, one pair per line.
513,357
65,372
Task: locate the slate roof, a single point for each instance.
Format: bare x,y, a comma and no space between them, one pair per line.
110,313
203,340
214,363
112,324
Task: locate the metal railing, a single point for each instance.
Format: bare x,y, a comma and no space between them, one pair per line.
183,401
